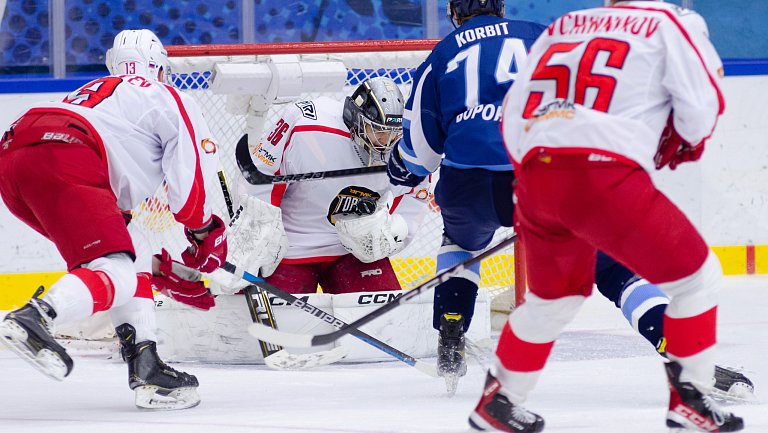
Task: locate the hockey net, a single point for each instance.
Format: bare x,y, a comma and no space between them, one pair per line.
242,88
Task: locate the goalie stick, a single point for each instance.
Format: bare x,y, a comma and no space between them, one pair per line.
303,340
257,301
255,177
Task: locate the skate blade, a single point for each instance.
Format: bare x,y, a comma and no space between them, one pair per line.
283,360
739,392
153,397
45,361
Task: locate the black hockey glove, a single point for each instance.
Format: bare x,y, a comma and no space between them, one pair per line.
398,173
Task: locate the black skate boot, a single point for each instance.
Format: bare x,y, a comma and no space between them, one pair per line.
495,412
28,331
451,363
730,383
157,385
690,409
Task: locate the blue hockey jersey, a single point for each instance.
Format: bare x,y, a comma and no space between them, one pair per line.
455,103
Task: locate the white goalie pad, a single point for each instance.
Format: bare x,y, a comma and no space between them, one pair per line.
220,335
257,244
375,236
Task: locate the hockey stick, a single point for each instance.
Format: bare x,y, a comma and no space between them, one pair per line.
255,177
257,301
303,340
295,302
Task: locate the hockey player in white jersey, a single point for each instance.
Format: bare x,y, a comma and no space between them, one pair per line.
332,239
643,93
475,194
71,169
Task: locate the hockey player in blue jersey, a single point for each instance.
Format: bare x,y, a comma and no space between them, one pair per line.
454,109
451,122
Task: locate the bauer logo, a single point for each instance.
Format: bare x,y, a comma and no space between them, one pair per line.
60,136
307,109
377,298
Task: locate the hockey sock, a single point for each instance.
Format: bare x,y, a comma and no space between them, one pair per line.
643,305
139,312
457,295
527,340
690,323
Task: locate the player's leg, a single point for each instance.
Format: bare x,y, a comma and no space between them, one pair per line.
349,275
473,204
560,269
299,278
157,386
648,233
642,303
69,186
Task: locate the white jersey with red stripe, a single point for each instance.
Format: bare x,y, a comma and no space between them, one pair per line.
604,80
149,132
311,136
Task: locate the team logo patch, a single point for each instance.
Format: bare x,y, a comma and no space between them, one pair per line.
307,109
208,145
356,200
265,156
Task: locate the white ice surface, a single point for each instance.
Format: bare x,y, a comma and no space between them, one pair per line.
601,378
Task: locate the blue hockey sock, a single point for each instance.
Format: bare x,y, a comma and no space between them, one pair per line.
643,305
457,295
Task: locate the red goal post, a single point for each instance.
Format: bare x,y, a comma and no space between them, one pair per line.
242,87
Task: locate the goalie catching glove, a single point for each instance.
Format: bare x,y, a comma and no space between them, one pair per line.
257,244
373,234
180,283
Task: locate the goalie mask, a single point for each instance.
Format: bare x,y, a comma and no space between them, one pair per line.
461,10
138,52
374,116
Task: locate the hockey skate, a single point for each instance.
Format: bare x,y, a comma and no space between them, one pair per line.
495,412
728,383
691,410
157,385
732,384
28,331
451,362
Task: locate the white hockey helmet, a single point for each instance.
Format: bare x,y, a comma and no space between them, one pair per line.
138,52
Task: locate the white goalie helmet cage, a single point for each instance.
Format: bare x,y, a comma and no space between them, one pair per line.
138,52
